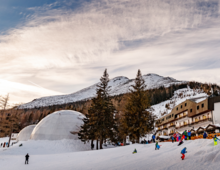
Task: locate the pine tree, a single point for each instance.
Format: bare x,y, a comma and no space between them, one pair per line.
100,123
137,122
9,125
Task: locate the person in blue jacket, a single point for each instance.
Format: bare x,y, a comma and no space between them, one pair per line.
205,135
189,135
172,139
183,153
153,138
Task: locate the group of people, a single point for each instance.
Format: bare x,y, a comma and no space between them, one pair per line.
185,135
145,141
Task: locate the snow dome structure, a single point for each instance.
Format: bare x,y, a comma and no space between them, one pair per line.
25,134
58,126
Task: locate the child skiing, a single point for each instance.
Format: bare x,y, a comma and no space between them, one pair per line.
135,151
157,147
183,153
215,140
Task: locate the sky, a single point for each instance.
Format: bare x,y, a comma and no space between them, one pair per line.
50,47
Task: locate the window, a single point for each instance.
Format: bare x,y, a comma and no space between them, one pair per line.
172,115
181,106
177,108
197,107
202,105
191,110
185,104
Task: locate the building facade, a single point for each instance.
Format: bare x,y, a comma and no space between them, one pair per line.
194,114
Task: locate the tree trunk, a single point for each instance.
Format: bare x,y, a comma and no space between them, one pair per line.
92,145
124,139
97,144
9,139
101,141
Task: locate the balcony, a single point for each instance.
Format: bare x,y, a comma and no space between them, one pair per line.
181,117
202,120
173,125
164,128
178,127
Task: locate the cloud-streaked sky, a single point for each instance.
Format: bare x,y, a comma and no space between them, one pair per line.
50,47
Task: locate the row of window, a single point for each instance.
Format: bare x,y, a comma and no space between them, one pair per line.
202,105
168,117
181,106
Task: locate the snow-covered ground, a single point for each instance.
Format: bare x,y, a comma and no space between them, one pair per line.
201,155
119,85
179,97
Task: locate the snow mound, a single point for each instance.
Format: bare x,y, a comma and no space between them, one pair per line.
58,126
46,147
119,85
25,134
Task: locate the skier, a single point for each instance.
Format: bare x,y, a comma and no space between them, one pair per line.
189,135
183,153
135,151
26,158
185,135
174,135
177,137
181,141
205,135
172,139
215,140
153,138
157,147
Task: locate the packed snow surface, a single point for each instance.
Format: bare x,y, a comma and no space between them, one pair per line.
58,125
25,134
119,85
201,155
179,96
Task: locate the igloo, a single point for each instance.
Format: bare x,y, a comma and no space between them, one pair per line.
25,134
58,126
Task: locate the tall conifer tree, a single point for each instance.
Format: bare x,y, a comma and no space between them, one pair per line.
137,121
101,121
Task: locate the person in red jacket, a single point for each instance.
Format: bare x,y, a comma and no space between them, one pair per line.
174,135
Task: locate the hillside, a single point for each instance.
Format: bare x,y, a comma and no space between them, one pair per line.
119,85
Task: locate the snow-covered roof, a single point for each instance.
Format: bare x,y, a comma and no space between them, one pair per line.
25,134
58,125
199,99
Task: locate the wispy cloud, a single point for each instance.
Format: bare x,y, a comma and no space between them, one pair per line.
64,49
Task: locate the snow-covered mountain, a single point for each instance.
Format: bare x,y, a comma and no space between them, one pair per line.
119,85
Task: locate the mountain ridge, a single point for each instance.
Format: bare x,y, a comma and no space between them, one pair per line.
118,85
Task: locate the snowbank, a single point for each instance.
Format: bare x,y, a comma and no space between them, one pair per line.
201,154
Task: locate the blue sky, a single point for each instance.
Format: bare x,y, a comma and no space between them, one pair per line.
58,47
14,12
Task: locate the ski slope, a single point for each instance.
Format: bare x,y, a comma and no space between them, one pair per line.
118,85
201,155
